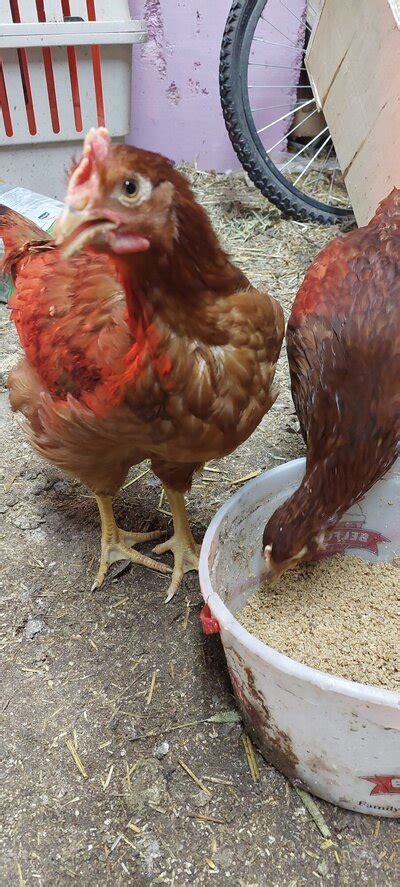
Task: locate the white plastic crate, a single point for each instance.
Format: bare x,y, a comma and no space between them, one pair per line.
57,79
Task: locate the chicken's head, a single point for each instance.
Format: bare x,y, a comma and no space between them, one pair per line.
287,542
119,200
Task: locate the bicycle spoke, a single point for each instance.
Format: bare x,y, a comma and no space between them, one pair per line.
277,29
307,165
331,185
279,86
268,65
294,15
284,116
314,11
321,172
284,45
317,153
286,105
295,156
287,134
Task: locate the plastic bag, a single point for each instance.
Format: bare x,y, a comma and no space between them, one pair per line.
36,207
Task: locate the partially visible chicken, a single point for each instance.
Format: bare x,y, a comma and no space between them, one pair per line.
343,342
141,338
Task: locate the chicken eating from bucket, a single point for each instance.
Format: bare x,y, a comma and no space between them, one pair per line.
337,614
343,344
142,340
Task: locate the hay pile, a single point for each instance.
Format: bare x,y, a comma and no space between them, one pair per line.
273,251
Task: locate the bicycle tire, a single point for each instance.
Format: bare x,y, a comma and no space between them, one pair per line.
239,30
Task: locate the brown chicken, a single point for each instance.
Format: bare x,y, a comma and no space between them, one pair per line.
142,340
343,342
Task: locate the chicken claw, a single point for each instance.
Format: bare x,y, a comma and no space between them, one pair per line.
116,544
184,548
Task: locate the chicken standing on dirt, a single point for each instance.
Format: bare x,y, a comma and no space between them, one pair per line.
141,339
343,343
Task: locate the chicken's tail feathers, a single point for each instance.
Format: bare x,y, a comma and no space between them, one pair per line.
17,232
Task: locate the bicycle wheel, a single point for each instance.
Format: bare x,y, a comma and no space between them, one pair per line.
262,54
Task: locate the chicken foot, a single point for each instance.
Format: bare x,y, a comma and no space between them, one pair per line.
184,548
116,544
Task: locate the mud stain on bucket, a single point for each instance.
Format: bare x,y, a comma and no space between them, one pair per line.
316,763
274,744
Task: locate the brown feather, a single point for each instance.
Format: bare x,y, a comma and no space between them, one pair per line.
343,342
168,355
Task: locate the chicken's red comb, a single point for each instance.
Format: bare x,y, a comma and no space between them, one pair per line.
97,141
83,186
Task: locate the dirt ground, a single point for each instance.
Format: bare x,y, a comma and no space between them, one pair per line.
95,789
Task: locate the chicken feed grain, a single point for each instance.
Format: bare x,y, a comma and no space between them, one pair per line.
340,615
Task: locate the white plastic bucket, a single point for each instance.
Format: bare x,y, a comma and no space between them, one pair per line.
337,738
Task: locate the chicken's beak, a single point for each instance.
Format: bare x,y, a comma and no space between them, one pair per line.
272,571
75,229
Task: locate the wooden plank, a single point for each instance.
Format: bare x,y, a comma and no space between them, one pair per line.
355,72
375,170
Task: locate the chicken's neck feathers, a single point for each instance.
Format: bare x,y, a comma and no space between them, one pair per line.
172,293
322,496
330,487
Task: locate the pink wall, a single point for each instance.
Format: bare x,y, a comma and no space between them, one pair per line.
175,99
175,94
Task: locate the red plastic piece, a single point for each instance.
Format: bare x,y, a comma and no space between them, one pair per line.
96,61
4,104
73,73
49,73
24,71
208,623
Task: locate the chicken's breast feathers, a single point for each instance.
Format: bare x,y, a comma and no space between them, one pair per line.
70,317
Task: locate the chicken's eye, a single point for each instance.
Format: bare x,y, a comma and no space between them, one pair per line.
130,189
133,190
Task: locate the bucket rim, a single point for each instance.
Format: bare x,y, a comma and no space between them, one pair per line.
366,693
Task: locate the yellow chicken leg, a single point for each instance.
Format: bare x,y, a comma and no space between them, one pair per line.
185,549
116,544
